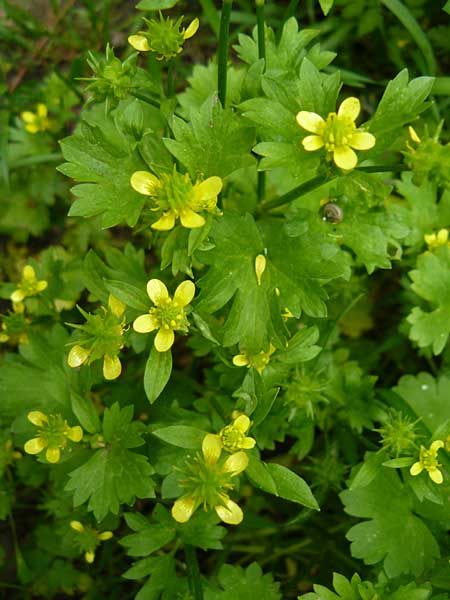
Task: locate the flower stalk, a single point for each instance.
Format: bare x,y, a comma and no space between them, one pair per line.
222,57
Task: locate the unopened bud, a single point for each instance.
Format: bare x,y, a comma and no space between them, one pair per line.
260,267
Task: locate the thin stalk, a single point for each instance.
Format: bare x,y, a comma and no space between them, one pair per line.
261,185
298,191
222,57
170,80
195,583
211,15
106,11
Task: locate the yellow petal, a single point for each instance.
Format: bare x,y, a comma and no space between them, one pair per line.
436,445
42,111
310,121
248,443
77,356
164,340
236,463
260,267
28,117
412,134
37,417
117,307
240,360
77,526
231,513
105,535
139,42
145,183
442,236
53,455
312,142
32,127
191,219
41,286
166,222
430,238
211,448
416,469
157,291
192,29
208,190
350,109
435,475
345,158
111,367
145,324
362,140
35,445
242,423
183,509
89,556
75,434
184,293
17,296
28,273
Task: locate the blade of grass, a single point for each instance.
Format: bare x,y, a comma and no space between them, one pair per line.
211,15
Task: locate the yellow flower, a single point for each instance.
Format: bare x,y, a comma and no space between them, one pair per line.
28,286
104,335
89,539
428,461
53,434
338,134
168,315
208,483
177,197
15,325
233,437
436,240
164,37
38,121
258,361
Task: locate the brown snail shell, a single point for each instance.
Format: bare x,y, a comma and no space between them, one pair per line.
332,213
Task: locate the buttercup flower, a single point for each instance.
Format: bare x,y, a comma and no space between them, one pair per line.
37,121
233,437
258,361
102,337
15,325
89,539
338,134
53,435
28,286
428,461
164,37
436,240
168,315
177,197
207,482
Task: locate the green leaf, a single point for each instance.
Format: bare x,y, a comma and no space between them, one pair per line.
85,412
202,531
446,7
301,346
182,436
431,281
157,373
91,157
216,141
156,4
260,476
291,486
130,295
114,475
149,537
393,534
326,6
245,585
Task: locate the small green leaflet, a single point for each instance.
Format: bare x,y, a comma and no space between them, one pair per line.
431,281
326,6
245,585
157,373
104,168
113,475
394,535
156,4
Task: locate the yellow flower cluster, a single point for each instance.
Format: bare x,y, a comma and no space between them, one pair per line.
53,435
28,286
437,240
338,134
38,121
258,361
165,38
178,198
89,539
168,315
428,461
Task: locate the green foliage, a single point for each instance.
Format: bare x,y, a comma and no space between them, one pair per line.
244,584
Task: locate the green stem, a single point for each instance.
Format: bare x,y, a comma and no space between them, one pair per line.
170,80
106,10
298,191
261,186
211,15
222,58
193,571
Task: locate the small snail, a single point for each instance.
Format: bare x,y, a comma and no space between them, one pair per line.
332,213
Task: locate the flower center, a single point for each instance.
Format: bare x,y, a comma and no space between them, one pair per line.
337,131
428,459
232,438
206,482
169,315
